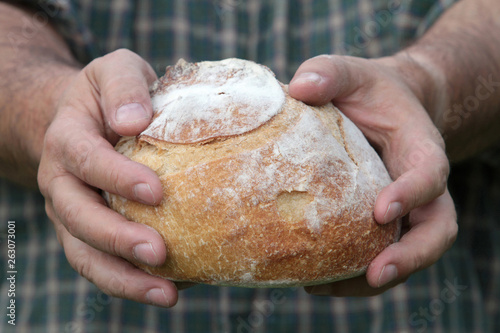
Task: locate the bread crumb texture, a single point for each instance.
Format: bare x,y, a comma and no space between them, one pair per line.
260,189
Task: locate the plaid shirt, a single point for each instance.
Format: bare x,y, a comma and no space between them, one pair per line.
460,293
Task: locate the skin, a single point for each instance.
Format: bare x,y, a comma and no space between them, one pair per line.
60,122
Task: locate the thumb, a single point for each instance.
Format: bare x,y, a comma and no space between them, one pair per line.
122,79
321,79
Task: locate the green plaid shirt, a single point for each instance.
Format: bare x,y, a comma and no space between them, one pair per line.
460,293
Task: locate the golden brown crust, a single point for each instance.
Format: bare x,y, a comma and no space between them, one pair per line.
287,203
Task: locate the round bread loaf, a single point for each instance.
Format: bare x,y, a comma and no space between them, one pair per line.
259,189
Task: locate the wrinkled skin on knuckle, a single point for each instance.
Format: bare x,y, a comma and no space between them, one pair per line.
414,191
114,241
115,287
50,165
83,162
51,142
69,214
43,181
122,54
117,56
80,261
132,59
419,261
115,181
84,154
122,286
60,147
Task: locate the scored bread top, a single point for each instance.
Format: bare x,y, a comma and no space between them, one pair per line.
198,102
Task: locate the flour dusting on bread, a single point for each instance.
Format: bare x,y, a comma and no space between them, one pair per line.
225,98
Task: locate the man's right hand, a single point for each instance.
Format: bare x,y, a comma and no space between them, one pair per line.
109,98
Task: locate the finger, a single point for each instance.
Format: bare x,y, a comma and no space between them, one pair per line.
423,170
117,277
83,152
122,79
321,79
83,213
434,225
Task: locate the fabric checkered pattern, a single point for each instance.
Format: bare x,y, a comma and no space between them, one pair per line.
460,293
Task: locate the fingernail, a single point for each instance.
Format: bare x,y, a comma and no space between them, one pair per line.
389,273
157,296
307,78
131,113
144,194
322,290
393,212
145,253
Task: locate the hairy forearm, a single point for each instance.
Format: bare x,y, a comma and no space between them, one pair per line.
461,55
36,66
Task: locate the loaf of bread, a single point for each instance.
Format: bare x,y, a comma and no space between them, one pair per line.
260,190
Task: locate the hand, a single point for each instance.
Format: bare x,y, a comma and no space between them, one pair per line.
385,104
109,98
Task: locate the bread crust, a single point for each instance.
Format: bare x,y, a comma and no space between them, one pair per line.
287,202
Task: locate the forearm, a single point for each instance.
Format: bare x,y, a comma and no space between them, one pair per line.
36,66
460,54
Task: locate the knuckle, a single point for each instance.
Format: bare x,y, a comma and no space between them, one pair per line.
69,213
42,180
419,261
51,141
122,53
125,57
116,287
118,186
123,286
49,161
114,242
83,162
416,187
110,60
82,158
112,180
122,175
81,263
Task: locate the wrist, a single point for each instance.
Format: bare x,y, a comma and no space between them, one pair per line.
426,81
30,111
53,90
